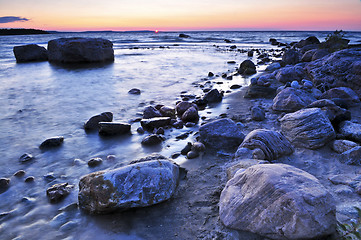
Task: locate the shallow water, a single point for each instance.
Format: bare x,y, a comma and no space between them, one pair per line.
41,100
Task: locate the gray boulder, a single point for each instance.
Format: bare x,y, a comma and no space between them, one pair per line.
291,99
80,50
247,67
221,134
273,144
291,57
30,53
341,146
345,93
151,112
190,115
113,128
352,156
350,130
273,66
257,113
213,96
278,201
93,122
290,73
137,185
308,128
336,70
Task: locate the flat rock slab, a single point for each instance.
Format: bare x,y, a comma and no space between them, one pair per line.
137,185
113,128
278,201
155,122
80,50
221,134
273,144
308,128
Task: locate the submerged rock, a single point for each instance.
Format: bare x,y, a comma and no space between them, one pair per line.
221,134
80,50
137,185
113,128
4,184
134,91
52,142
309,128
273,144
30,53
278,201
93,122
58,191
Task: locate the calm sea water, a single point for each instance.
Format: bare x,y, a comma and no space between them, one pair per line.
41,100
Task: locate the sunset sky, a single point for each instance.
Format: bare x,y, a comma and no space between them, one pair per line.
181,15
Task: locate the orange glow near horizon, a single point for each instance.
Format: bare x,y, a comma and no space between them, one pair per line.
186,15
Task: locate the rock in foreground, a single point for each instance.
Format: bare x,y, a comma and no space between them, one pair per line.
30,53
278,201
80,50
137,185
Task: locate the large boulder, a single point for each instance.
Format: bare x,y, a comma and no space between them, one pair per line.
337,70
273,144
308,128
291,100
278,201
30,53
290,73
247,67
291,57
221,134
345,93
80,50
137,185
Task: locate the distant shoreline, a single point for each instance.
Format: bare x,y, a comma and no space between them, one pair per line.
21,31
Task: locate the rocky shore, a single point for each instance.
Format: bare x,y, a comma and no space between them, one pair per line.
282,163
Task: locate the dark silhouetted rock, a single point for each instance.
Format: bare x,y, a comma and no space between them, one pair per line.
320,53
273,144
307,56
190,115
182,35
52,142
273,66
198,147
134,91
151,140
183,106
256,91
247,67
278,201
156,122
4,184
113,128
57,192
291,57
291,100
93,122
30,53
308,128
80,50
167,111
344,93
290,73
137,185
213,96
192,154
151,112
95,162
258,114
221,134
273,41
26,157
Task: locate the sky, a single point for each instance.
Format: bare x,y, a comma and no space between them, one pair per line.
181,15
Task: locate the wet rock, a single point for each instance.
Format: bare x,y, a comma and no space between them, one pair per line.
178,124
310,211
137,185
210,74
190,115
49,177
273,66
80,50
291,99
151,140
352,156
113,128
159,131
273,41
291,57
182,35
213,96
183,106
256,91
93,122
192,154
26,157
4,184
95,162
258,114
167,111
151,112
19,173
235,86
308,128
295,84
30,179
340,64
350,130
247,67
134,91
186,149
242,164
52,142
57,192
140,130
156,122
221,134
190,124
30,53
344,93
290,73
198,147
273,144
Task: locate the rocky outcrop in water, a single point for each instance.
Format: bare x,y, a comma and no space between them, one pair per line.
52,143
80,50
308,128
93,122
221,134
273,144
278,201
30,53
137,185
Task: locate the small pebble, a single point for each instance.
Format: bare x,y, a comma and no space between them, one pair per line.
19,173
175,155
94,162
192,154
4,183
198,147
26,158
140,130
30,179
295,84
186,149
190,124
160,131
111,157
